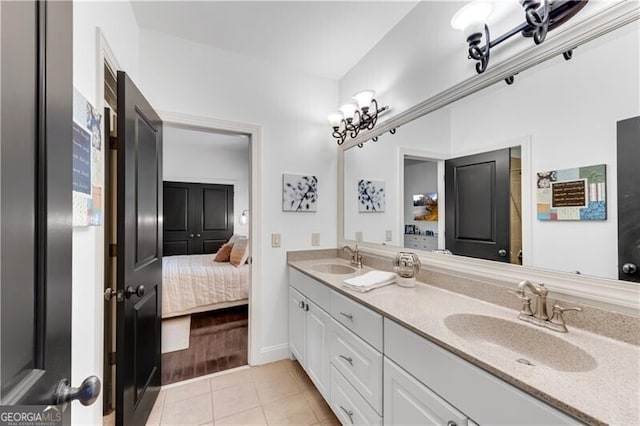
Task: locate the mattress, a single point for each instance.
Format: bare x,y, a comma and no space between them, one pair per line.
189,282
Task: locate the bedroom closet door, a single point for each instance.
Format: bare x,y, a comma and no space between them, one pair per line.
198,217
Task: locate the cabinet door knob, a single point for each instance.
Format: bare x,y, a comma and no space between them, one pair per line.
629,268
301,305
452,423
502,253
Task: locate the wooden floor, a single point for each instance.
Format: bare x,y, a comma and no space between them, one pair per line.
217,341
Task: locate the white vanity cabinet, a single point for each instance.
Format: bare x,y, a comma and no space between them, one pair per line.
476,393
309,326
409,402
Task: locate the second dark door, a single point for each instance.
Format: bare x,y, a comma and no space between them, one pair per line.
477,220
629,199
198,217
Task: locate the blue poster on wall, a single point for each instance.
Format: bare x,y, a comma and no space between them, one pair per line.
81,160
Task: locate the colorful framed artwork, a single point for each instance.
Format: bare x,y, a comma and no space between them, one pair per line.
572,194
425,206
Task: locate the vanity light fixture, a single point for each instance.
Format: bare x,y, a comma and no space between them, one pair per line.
244,217
362,114
541,16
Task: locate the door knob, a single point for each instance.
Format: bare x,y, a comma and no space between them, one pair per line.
138,291
110,294
87,393
629,268
191,236
198,235
502,253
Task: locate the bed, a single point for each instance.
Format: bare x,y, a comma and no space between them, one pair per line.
195,283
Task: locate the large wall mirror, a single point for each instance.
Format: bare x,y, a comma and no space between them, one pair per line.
559,117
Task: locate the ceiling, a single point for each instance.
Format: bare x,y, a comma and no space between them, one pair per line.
323,38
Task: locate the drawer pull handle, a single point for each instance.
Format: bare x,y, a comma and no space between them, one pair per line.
306,307
348,413
348,316
348,359
301,305
452,423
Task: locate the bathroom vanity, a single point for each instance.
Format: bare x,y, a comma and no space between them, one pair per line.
426,355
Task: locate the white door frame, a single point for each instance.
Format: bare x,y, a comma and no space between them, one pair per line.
254,132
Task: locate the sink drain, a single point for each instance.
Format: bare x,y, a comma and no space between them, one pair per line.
524,361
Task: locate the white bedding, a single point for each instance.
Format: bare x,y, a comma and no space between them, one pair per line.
196,280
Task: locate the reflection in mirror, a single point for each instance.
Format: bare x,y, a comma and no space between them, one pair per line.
563,115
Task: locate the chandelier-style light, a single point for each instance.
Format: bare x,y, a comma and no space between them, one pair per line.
356,116
541,16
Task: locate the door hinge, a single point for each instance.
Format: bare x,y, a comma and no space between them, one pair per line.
112,358
113,250
113,142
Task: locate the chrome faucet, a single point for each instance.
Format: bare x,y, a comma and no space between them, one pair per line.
540,316
356,257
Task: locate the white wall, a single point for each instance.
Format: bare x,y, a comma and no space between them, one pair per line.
570,110
384,160
119,26
187,77
197,156
419,178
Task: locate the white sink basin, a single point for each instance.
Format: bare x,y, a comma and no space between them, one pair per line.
334,268
531,345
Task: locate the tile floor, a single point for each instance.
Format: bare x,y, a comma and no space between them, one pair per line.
279,393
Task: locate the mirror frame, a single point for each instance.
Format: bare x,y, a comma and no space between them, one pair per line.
617,295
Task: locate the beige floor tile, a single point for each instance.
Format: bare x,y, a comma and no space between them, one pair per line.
234,399
333,421
270,371
304,382
156,411
231,379
193,411
190,390
319,406
293,410
276,388
252,417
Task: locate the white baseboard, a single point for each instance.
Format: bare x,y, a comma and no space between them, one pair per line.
272,353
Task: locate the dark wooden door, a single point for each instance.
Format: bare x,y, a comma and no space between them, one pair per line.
198,217
35,193
629,199
139,255
477,205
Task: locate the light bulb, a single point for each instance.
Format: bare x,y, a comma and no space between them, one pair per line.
335,118
349,110
471,15
364,98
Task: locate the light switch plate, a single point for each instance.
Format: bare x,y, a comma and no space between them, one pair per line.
315,239
388,235
275,240
359,236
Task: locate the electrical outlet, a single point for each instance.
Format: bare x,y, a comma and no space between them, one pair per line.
388,235
315,239
275,240
359,236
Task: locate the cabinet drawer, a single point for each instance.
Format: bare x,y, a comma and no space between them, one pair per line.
483,397
358,362
362,321
348,405
314,290
409,402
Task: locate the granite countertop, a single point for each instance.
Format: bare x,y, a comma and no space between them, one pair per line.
606,391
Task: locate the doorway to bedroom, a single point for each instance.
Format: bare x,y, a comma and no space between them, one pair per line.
206,256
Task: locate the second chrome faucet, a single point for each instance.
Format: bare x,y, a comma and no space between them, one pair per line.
356,257
540,316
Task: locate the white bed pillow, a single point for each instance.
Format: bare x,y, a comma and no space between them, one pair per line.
239,252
